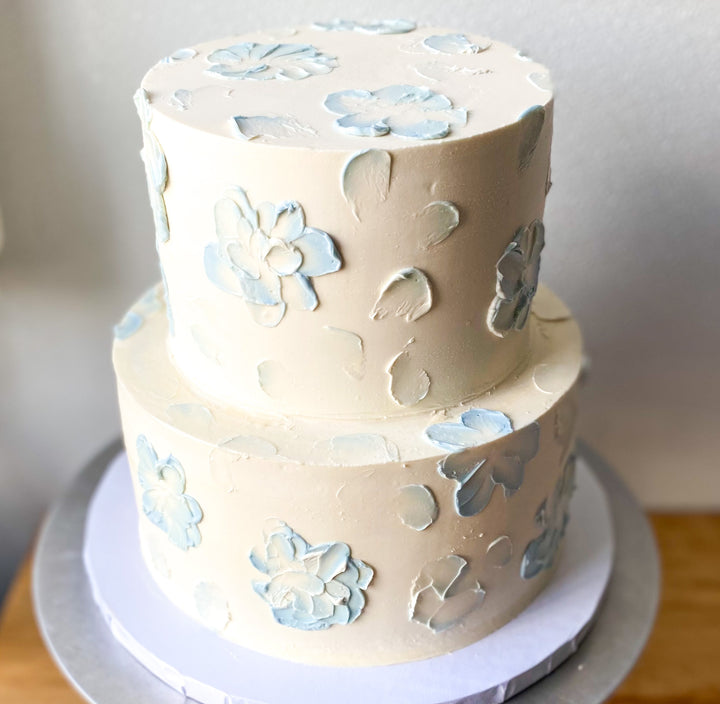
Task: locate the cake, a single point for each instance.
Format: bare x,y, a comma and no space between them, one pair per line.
349,408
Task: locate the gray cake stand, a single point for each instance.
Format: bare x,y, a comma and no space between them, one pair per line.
105,673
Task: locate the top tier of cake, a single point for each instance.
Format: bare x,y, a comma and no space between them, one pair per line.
348,216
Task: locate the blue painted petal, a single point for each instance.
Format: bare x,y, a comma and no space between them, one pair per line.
264,291
527,442
342,615
473,497
333,560
452,436
237,52
460,465
303,583
298,51
172,475
180,531
289,222
229,220
160,218
451,44
335,25
319,254
338,591
293,73
365,574
155,163
267,216
436,102
502,316
355,605
251,72
258,562
168,308
398,26
267,316
456,116
403,93
346,102
222,274
260,51
356,125
196,513
490,424
508,471
322,607
279,547
128,326
192,537
510,269
241,198
299,293
153,506
147,463
283,259
244,262
427,129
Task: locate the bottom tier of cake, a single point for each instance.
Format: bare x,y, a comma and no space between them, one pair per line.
346,542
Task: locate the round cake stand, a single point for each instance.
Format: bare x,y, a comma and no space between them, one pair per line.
105,673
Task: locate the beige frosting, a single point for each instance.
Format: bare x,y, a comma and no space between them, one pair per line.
319,417
290,472
379,231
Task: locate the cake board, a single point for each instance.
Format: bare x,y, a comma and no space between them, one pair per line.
106,673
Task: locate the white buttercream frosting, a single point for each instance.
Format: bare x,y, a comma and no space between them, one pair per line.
343,416
458,167
346,480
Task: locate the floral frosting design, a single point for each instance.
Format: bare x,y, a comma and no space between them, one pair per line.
398,26
518,270
164,500
309,587
453,44
268,256
403,110
478,468
134,319
553,517
262,62
156,169
444,593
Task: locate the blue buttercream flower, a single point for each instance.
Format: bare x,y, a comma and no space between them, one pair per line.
517,280
398,26
268,256
163,500
156,170
478,467
309,588
402,110
262,62
134,319
553,518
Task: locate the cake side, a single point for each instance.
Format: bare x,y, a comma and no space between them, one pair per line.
357,275
312,540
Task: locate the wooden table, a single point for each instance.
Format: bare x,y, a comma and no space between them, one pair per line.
681,664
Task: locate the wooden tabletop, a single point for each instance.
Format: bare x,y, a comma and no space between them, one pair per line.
681,664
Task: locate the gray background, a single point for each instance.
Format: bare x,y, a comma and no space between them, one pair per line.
633,219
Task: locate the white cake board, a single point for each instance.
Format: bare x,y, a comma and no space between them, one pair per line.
203,666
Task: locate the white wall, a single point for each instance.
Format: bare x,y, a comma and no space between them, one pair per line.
633,219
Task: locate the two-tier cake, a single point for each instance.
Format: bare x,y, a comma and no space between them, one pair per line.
349,410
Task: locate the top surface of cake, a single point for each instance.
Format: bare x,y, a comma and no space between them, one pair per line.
331,85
